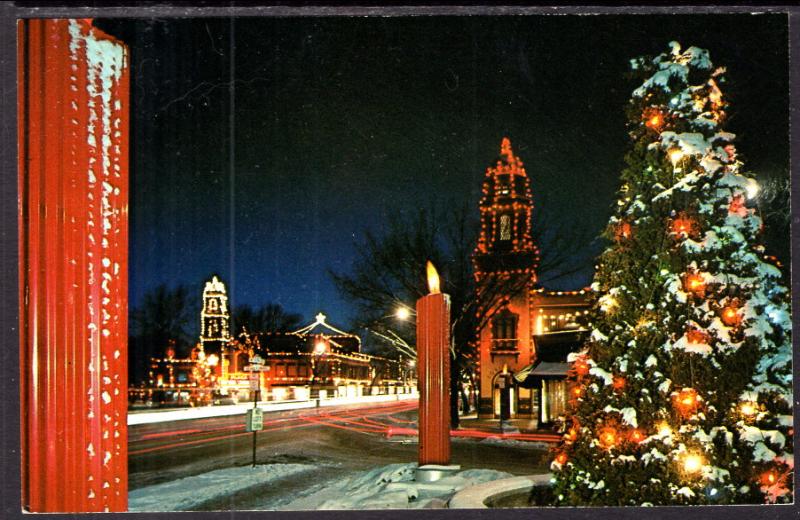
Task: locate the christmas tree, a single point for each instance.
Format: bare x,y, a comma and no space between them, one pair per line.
683,392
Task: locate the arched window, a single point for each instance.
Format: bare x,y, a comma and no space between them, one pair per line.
504,330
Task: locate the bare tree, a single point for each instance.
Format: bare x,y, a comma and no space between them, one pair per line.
163,317
268,318
388,275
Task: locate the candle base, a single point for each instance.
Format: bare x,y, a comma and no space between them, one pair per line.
434,472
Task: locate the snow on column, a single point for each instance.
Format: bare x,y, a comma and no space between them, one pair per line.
73,141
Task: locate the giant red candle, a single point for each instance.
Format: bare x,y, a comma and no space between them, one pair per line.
433,365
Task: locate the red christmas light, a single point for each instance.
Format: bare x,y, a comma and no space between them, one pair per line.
769,478
618,383
686,401
561,458
608,437
654,120
571,435
636,435
737,205
696,336
683,226
730,315
695,283
623,231
581,367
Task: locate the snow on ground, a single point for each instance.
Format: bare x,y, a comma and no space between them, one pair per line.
389,487
190,492
533,445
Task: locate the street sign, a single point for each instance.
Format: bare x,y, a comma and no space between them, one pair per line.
255,381
256,364
254,420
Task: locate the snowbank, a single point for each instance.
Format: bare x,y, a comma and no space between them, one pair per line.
190,492
390,487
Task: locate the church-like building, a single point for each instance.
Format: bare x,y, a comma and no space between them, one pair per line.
318,361
524,344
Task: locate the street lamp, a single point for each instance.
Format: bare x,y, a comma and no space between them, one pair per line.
403,313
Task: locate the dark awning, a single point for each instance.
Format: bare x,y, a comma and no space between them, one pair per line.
546,368
529,376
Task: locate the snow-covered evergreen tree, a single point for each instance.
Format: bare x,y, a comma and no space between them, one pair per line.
683,394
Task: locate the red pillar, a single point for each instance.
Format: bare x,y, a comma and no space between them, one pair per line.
73,235
433,370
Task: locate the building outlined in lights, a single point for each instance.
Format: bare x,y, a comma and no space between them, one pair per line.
215,324
524,345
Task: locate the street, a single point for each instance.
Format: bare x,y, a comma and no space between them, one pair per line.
337,441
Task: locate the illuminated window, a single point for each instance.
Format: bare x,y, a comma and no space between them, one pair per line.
505,227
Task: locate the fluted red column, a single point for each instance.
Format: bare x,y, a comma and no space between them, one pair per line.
73,207
433,371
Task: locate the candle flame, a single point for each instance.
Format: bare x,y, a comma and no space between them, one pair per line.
433,279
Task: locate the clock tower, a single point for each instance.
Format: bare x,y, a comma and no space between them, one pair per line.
215,319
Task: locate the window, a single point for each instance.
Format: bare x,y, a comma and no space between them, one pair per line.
505,227
504,330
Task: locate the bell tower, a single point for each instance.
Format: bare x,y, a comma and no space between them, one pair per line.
505,245
505,261
214,318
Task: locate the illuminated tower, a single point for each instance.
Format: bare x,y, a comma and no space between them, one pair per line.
214,319
505,260
505,246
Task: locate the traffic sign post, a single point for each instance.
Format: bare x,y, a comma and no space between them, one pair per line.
254,419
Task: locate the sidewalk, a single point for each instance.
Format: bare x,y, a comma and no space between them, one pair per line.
472,427
472,422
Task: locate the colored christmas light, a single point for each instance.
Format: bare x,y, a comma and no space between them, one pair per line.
571,435
737,205
730,316
697,337
618,383
770,478
675,155
683,225
608,437
561,458
654,120
686,401
695,283
623,231
748,408
692,463
636,435
581,367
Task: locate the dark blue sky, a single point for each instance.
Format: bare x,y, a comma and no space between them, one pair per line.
262,148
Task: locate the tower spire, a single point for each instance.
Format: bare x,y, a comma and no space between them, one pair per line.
505,147
505,243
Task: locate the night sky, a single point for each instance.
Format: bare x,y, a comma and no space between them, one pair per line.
262,148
